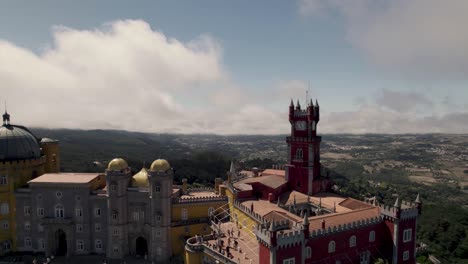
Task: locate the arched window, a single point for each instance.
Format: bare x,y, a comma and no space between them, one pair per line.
3,180
372,236
352,241
210,211
299,154
4,208
184,214
331,247
59,211
308,252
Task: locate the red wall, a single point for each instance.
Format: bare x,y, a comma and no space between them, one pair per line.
263,254
289,252
410,223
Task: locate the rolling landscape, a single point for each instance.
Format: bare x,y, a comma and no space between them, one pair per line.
361,166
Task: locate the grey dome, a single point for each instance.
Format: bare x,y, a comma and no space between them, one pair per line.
17,143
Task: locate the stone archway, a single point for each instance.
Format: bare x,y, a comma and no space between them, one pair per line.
141,246
60,243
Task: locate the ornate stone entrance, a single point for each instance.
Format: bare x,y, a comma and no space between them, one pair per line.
141,248
60,243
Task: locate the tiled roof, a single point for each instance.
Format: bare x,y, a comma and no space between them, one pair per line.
272,181
65,178
273,172
336,219
354,204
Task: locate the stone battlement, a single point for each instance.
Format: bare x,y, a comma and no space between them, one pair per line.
346,227
202,199
249,212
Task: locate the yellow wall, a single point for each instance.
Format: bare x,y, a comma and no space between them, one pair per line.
178,234
242,218
193,257
51,151
194,210
19,173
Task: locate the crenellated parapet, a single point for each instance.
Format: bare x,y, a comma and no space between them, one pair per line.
279,234
200,189
300,112
389,211
289,239
202,199
249,212
302,139
24,162
346,227
405,210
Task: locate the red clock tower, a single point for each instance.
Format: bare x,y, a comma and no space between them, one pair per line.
303,171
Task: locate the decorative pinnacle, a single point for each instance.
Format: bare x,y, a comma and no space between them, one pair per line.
292,104
418,200
397,202
311,102
305,222
272,226
298,105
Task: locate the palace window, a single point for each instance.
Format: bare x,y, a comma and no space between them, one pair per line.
289,261
79,228
158,251
97,212
352,241
97,227
364,257
4,208
27,226
27,210
98,244
41,243
3,180
40,211
5,225
331,246
157,188
115,215
184,214
80,245
78,212
6,245
116,249
299,154
58,194
116,231
59,211
406,255
407,234
113,187
27,242
308,252
40,228
372,236
158,217
136,216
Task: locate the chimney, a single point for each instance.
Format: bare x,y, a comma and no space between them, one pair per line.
323,223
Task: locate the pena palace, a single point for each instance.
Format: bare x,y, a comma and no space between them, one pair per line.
289,214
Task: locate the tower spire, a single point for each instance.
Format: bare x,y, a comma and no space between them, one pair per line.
6,116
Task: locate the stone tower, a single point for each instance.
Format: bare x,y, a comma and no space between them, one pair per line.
118,176
304,148
160,176
50,148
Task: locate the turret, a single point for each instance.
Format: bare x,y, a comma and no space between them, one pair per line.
418,204
305,225
298,106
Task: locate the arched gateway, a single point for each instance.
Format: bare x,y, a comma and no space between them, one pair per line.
60,243
141,246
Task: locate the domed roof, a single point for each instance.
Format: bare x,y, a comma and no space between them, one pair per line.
140,179
117,164
17,143
160,165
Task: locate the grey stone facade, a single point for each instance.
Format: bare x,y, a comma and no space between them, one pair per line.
104,215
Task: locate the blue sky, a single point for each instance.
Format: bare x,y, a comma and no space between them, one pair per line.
232,66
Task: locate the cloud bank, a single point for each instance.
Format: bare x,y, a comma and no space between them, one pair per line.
417,38
125,75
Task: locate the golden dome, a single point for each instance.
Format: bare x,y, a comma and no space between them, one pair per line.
160,165
140,179
117,164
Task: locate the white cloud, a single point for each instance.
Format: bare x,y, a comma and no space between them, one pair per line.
426,38
125,75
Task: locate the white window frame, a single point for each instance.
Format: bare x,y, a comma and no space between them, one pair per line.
59,211
40,228
407,235
27,225
406,255
116,231
136,216
79,228
80,245
299,154
27,242
3,180
289,261
97,212
4,208
372,236
40,212
113,187
331,246
97,227
41,243
98,244
184,214
352,241
157,188
79,212
27,210
5,225
308,252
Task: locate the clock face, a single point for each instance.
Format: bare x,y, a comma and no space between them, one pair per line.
301,125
